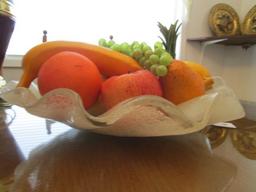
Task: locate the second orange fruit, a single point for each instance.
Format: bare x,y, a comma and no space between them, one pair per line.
203,71
182,83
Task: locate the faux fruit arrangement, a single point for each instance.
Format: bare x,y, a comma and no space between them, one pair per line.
102,74
111,73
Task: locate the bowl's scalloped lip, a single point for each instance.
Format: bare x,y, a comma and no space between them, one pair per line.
111,116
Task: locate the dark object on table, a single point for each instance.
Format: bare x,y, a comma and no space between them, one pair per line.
44,36
7,23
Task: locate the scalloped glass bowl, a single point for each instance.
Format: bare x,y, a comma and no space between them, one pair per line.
139,116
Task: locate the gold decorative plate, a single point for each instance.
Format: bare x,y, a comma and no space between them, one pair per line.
223,20
216,135
249,23
245,142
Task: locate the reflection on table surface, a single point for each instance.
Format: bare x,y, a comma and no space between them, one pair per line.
82,160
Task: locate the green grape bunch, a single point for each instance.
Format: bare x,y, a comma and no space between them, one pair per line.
155,59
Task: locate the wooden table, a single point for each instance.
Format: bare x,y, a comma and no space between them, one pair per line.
50,156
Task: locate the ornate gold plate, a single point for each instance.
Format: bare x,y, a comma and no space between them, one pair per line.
223,20
249,23
216,135
245,142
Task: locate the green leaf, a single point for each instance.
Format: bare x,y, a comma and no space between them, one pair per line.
170,36
177,28
163,30
164,42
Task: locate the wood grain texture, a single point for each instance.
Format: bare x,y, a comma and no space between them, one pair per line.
81,161
236,40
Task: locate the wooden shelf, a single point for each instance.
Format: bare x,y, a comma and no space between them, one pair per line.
239,40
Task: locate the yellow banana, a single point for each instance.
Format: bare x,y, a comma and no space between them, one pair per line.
108,62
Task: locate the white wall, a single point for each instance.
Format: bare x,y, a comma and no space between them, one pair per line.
12,73
236,65
12,69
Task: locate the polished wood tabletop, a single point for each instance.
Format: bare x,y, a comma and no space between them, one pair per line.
42,155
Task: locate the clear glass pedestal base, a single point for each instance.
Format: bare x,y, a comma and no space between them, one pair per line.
7,114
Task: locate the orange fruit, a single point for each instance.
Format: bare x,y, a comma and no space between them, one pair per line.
73,71
181,83
203,71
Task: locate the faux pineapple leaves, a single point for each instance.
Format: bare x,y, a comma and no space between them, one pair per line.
170,37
